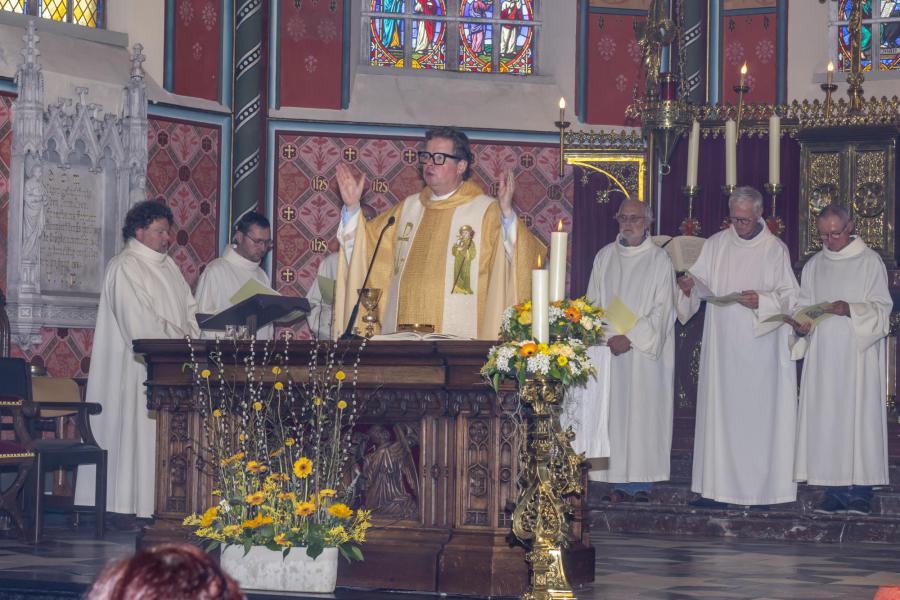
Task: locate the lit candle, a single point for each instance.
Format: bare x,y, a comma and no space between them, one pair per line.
730,152
540,305
562,110
829,73
774,149
559,241
743,74
693,154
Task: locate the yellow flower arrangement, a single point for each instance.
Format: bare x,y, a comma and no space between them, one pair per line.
277,452
574,325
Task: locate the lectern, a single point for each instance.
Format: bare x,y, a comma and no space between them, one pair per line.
257,311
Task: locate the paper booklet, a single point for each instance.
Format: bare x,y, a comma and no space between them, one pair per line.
705,293
813,315
619,316
326,289
415,336
683,250
251,288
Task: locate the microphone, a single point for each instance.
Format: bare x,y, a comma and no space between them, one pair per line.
348,333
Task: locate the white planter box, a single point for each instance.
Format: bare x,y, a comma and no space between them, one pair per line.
264,569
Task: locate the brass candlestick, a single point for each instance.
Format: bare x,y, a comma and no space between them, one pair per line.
740,90
773,189
691,192
562,126
728,189
552,472
828,88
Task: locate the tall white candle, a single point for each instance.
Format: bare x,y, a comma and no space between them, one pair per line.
774,149
693,154
559,241
730,153
540,305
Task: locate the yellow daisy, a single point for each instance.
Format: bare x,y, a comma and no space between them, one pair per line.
302,467
340,510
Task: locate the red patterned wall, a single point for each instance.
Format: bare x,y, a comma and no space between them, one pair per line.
751,39
183,169
197,48
310,54
307,210
612,62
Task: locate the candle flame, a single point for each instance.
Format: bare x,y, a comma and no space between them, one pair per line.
744,69
830,67
539,263
559,226
562,103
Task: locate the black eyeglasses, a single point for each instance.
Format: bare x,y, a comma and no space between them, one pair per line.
266,243
437,158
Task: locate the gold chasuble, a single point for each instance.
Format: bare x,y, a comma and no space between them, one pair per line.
443,263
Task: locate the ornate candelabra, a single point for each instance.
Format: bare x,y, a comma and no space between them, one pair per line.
552,472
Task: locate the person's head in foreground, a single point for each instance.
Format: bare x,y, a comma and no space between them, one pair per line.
169,572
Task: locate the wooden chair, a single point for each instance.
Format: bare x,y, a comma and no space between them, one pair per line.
15,453
55,397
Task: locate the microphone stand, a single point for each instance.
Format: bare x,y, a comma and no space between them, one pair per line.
348,333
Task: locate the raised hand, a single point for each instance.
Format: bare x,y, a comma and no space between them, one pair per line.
350,187
505,193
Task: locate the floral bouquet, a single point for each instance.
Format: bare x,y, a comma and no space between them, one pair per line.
574,325
278,450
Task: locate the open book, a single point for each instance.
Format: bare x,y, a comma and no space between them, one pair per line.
683,250
813,314
705,293
252,288
416,336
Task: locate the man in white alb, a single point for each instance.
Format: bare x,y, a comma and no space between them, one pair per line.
642,370
842,430
144,295
224,276
747,389
321,298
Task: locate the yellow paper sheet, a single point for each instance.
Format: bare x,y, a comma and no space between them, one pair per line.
251,288
619,316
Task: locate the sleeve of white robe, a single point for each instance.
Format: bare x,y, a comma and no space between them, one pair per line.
799,345
132,307
593,288
870,320
779,300
648,336
687,306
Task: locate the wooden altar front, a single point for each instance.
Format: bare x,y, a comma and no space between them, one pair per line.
424,403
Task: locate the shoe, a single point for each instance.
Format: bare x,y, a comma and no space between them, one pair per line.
858,506
702,502
642,497
830,506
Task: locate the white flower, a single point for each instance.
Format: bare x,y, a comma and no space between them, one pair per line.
539,363
224,505
556,313
587,323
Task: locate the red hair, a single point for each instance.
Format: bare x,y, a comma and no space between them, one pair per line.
172,572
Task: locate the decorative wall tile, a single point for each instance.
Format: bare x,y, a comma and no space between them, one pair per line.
197,47
613,67
311,51
750,39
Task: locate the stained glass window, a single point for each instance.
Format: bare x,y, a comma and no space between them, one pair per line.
81,12
484,36
880,40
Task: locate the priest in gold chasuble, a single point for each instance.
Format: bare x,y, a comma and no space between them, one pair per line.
454,258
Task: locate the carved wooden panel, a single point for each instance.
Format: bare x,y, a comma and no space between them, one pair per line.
855,168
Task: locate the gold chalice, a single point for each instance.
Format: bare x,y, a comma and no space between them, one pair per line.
370,298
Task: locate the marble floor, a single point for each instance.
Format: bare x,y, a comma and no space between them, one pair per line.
628,567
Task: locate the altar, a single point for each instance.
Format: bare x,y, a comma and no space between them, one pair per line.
461,441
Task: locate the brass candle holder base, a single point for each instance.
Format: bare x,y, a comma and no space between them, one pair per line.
552,472
690,225
728,189
562,126
829,89
776,225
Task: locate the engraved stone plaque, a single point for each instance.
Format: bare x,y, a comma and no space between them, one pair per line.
70,261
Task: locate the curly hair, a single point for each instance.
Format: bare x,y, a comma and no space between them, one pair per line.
142,214
461,145
173,572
